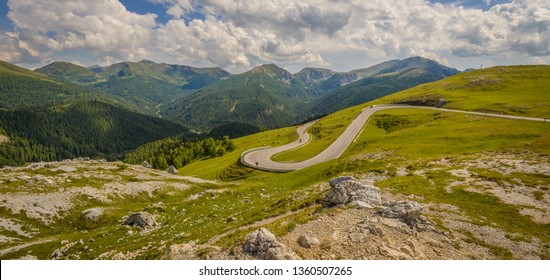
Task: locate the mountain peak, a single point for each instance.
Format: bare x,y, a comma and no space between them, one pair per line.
314,75
418,62
273,71
268,68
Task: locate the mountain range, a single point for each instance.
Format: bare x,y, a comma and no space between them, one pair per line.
63,110
145,84
47,120
265,96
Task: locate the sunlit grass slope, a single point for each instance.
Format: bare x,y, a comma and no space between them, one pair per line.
511,90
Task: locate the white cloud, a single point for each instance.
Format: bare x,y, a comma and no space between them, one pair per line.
243,33
103,27
14,49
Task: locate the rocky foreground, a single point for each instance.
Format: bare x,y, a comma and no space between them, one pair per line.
86,209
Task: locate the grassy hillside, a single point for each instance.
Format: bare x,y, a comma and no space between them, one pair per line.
22,88
512,90
410,140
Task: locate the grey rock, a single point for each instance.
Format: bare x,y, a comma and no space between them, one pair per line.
146,164
334,182
231,219
307,241
346,190
172,170
360,205
92,214
86,159
408,212
338,195
259,241
263,245
141,219
12,180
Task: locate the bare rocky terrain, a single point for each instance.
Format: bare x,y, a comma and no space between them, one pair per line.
443,231
56,210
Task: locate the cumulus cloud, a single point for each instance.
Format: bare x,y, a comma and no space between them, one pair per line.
103,27
244,33
15,50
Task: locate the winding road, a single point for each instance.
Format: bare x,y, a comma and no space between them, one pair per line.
260,158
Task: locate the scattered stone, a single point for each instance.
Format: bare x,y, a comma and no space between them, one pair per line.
307,241
35,166
12,180
141,219
231,219
146,164
28,258
407,211
61,252
39,178
371,228
92,214
172,170
192,251
24,178
86,159
346,190
357,237
263,245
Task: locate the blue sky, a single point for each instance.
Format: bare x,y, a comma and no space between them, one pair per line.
240,34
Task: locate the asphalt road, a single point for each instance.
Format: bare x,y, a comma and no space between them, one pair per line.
260,158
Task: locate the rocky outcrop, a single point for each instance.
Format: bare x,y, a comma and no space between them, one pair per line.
347,190
146,164
172,170
141,219
408,212
262,244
